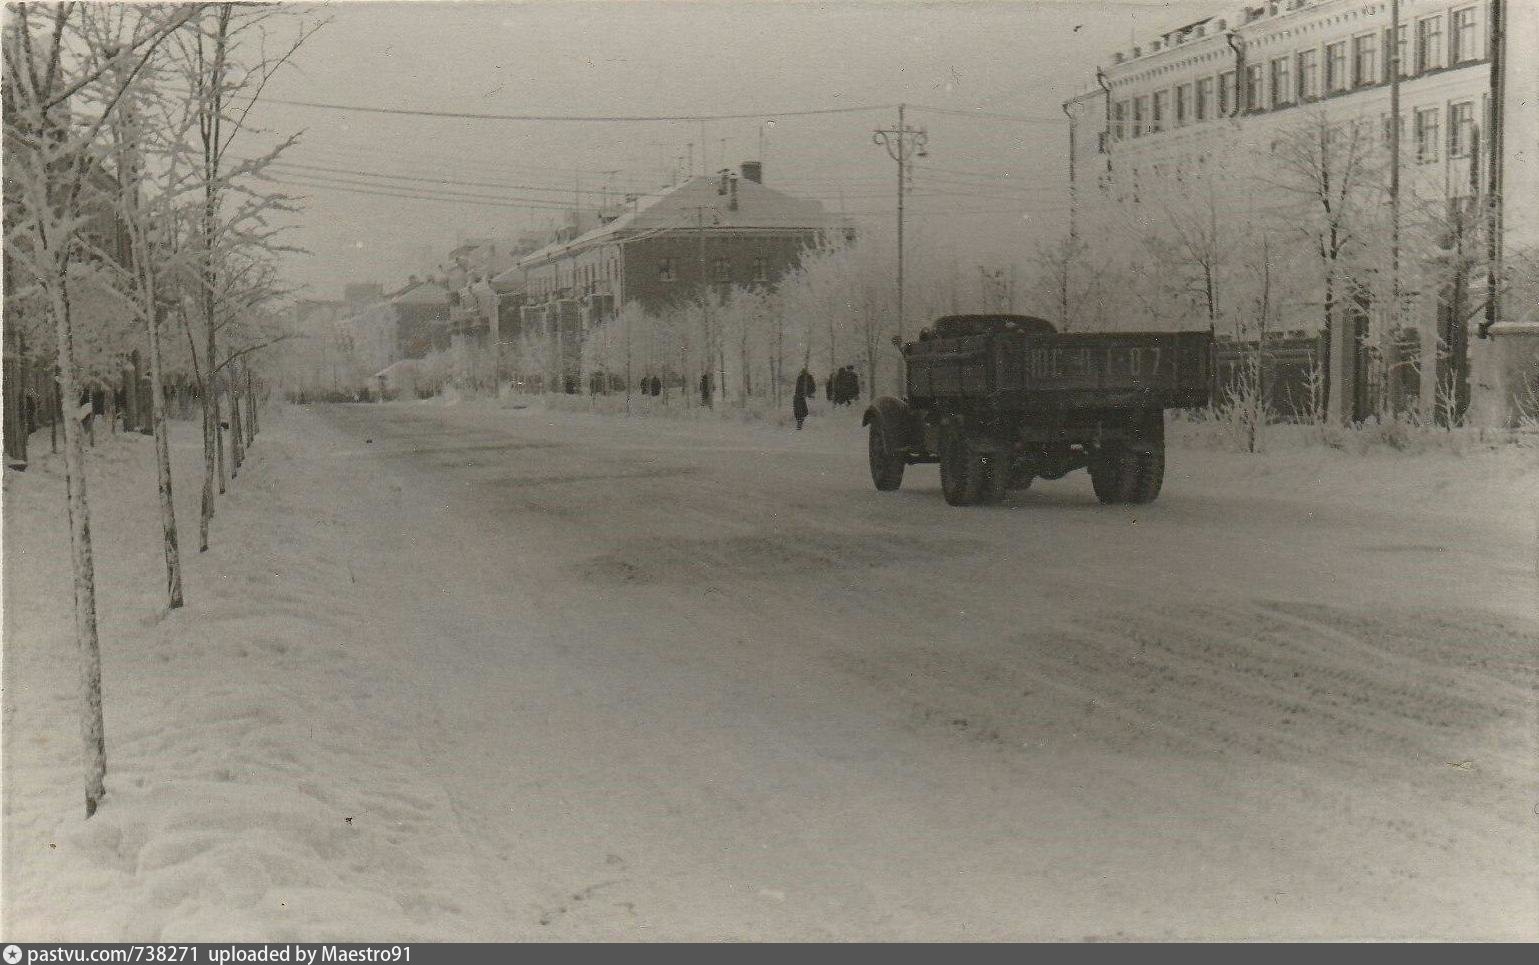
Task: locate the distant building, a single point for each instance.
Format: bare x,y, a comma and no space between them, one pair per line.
1226,91
421,318
709,232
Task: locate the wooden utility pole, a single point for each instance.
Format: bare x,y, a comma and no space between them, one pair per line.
1395,30
902,144
1496,124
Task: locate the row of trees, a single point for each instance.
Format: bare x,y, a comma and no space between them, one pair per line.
838,308
135,223
1297,233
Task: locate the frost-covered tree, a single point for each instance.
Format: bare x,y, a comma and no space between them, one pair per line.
61,89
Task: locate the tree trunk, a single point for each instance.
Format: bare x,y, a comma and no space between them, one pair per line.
92,732
251,410
163,465
206,506
237,433
222,467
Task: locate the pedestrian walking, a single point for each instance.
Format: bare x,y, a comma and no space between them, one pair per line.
806,385
799,398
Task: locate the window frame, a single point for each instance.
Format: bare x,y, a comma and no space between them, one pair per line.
1228,92
1428,135
1310,91
1429,57
1457,34
1338,62
1202,99
1365,47
1281,83
1461,131
1255,89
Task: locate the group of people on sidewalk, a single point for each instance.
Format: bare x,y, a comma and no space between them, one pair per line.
842,387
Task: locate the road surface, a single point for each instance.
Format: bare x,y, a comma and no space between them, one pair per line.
697,684
476,672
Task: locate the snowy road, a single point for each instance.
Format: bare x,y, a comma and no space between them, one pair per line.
721,689
664,679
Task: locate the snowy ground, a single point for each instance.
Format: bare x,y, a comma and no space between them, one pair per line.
472,672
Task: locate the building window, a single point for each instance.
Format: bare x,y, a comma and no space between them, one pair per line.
1429,44
1140,115
1282,81
1204,105
1461,127
1253,79
723,270
1461,35
665,270
1183,105
1389,129
1161,110
1309,75
1365,60
1402,53
1426,135
1336,66
1119,120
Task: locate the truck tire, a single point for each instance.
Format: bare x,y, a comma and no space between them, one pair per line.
1124,474
961,470
887,462
995,466
1149,475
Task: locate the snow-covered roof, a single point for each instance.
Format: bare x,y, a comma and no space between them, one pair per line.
425,293
695,204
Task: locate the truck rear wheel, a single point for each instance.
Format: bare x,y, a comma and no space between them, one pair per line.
1124,474
961,469
887,462
995,464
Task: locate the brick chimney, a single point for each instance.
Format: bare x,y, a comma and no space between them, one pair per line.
753,171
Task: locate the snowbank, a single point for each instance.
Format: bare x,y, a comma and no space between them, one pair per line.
258,783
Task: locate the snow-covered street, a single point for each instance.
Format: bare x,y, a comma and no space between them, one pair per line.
480,672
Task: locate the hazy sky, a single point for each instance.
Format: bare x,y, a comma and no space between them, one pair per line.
645,57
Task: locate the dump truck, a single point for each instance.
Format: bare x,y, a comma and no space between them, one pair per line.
1001,400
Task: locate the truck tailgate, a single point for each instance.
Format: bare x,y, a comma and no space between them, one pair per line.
1167,369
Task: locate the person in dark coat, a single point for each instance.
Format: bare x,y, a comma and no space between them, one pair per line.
799,398
705,389
847,390
806,385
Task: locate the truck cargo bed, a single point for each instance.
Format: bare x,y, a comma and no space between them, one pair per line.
1023,369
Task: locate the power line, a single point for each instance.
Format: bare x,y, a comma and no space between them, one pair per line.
550,189
385,192
1023,118
578,118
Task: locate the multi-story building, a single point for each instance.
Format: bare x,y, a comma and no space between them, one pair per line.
708,233
1222,101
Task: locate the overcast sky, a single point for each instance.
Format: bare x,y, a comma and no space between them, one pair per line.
645,57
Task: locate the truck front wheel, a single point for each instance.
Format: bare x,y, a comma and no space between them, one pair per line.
887,461
961,471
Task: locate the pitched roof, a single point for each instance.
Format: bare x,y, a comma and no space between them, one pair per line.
697,204
424,293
